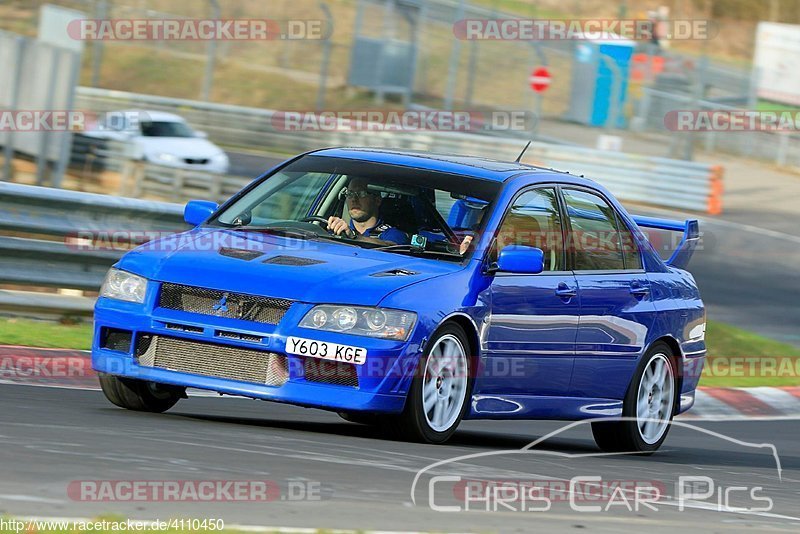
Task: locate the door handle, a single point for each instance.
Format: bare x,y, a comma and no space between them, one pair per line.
566,292
639,291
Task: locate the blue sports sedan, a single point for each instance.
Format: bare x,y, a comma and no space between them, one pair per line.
412,290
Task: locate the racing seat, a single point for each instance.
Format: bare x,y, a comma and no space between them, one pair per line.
398,212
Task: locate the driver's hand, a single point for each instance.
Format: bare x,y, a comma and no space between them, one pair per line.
464,247
337,226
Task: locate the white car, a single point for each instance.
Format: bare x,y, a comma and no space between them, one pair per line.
162,138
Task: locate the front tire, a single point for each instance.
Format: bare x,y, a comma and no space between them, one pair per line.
139,395
437,398
648,408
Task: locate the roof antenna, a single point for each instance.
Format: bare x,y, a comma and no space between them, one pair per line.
522,153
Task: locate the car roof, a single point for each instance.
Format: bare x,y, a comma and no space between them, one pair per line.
473,166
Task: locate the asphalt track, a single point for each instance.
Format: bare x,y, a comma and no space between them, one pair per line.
51,437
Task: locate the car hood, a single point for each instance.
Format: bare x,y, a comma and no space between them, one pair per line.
182,147
314,271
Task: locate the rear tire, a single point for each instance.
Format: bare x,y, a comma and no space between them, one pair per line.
649,407
139,395
440,390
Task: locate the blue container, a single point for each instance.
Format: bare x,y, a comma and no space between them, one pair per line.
593,81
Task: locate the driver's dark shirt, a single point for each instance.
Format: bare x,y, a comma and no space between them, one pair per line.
384,232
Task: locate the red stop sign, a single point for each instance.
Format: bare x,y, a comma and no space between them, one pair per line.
540,79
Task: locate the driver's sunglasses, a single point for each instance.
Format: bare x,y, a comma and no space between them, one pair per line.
346,193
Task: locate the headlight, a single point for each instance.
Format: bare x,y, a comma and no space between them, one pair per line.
361,321
166,158
121,285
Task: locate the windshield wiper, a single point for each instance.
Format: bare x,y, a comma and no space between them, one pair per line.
413,249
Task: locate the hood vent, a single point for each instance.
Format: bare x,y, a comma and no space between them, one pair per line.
239,253
292,260
396,272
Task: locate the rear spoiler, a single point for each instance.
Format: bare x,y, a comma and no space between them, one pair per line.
691,236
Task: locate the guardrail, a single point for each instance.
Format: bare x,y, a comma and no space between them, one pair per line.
178,185
46,249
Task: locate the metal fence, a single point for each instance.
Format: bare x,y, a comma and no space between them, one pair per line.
782,148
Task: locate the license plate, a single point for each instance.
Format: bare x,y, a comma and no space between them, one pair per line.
326,351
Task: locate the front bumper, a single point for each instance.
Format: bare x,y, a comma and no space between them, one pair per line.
382,382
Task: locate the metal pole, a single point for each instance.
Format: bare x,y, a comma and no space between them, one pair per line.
97,46
538,97
473,64
697,94
66,137
44,139
452,70
8,148
387,30
326,57
212,56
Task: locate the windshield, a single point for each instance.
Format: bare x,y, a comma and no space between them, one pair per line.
166,129
399,209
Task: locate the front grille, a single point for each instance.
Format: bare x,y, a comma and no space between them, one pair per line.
218,361
337,373
116,339
223,303
196,161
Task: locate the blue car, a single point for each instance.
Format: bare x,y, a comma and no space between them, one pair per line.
412,290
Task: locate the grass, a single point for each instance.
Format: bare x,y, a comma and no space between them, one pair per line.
766,105
732,352
45,334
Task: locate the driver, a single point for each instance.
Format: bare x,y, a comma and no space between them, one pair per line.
363,205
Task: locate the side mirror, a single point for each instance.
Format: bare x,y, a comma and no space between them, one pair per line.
520,259
201,135
198,211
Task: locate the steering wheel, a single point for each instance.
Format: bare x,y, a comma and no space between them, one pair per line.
315,218
322,220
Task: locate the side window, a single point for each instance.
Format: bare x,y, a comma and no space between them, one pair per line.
633,258
534,219
293,199
594,238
